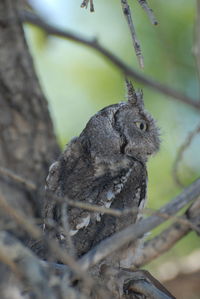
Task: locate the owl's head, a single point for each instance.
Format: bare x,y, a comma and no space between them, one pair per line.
124,128
137,126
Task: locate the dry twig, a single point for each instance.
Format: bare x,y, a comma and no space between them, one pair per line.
196,48
26,265
149,11
136,43
65,225
119,213
37,234
84,4
181,152
169,237
90,207
16,178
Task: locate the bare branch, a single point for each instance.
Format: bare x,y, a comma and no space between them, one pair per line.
26,265
119,213
162,243
169,237
36,233
90,207
165,240
196,48
100,209
135,231
18,179
65,224
181,151
136,43
93,43
19,218
149,11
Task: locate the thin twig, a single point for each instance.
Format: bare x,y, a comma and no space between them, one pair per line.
149,11
100,209
136,43
93,43
119,213
181,152
181,220
19,218
196,48
161,243
36,234
66,228
18,179
26,265
84,4
90,207
135,231
169,237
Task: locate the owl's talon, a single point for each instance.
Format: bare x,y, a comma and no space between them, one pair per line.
141,284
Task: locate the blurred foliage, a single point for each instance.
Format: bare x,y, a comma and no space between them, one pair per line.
78,82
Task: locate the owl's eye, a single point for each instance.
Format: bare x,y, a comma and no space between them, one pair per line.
142,125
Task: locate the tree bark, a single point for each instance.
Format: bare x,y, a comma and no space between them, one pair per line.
27,142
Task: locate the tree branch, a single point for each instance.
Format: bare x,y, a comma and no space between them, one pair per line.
165,240
196,47
169,237
93,43
135,231
136,43
36,233
87,206
26,264
181,152
18,179
149,11
84,4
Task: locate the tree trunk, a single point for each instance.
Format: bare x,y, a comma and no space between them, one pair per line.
27,142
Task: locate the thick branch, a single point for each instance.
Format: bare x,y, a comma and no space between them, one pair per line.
169,237
93,43
162,243
135,231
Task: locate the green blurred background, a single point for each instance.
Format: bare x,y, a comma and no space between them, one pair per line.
78,82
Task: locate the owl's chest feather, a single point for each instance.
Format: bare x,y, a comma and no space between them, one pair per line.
127,191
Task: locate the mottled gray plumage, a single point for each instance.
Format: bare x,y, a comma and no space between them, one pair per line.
106,166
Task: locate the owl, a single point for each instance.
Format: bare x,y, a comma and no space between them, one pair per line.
106,166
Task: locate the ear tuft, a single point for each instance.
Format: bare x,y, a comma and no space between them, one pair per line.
134,97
